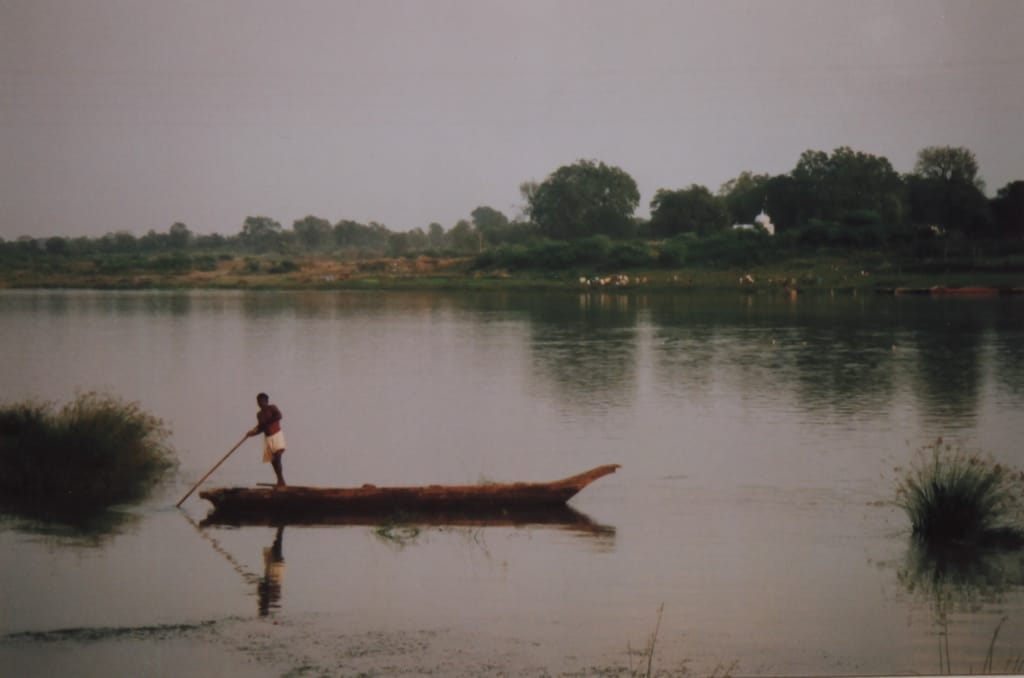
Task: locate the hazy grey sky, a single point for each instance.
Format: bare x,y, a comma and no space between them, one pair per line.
134,114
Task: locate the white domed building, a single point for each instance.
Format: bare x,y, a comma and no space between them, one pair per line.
762,220
765,222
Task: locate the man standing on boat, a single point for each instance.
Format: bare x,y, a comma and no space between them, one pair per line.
268,422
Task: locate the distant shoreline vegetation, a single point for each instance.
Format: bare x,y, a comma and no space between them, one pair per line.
66,463
545,266
580,221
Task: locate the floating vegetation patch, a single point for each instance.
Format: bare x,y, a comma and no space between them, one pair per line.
956,497
400,534
70,463
94,633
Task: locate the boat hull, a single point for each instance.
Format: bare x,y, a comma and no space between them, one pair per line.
298,501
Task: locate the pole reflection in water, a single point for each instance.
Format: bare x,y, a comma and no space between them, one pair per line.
269,587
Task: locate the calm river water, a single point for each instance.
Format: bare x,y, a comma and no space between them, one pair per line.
749,527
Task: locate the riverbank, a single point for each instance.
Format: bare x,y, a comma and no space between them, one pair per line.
831,275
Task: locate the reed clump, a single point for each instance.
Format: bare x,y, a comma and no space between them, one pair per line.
95,452
957,497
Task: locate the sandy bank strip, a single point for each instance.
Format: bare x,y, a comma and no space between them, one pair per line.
283,646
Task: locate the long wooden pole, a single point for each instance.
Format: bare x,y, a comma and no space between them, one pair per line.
222,460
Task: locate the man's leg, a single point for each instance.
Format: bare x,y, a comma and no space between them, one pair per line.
275,461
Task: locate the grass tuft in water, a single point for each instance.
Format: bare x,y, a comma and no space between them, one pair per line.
952,496
397,533
93,453
645,667
648,652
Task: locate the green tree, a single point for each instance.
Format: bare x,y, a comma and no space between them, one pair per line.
844,186
398,244
744,196
57,246
261,234
354,235
121,242
489,222
866,183
514,233
418,239
462,238
949,164
178,236
211,241
689,210
313,233
585,198
153,241
1008,210
435,235
527,190
83,245
785,202
946,190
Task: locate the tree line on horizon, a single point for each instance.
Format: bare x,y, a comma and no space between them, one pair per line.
841,200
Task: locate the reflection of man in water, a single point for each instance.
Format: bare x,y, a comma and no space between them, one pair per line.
269,588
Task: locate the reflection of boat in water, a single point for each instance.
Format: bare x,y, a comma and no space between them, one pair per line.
281,505
558,516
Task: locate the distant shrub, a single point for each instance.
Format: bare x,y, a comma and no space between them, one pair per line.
927,245
674,252
598,252
863,217
871,236
953,496
205,262
593,251
93,453
630,254
511,257
817,233
171,263
284,266
732,248
513,233
117,264
551,255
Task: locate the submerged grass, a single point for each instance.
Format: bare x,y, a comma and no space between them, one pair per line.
397,532
645,667
952,496
93,453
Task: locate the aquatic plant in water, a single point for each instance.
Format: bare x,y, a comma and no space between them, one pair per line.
953,496
399,534
95,452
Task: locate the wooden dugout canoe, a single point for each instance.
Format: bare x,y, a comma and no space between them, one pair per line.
299,501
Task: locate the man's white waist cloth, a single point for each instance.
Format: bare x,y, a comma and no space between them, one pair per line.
271,444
